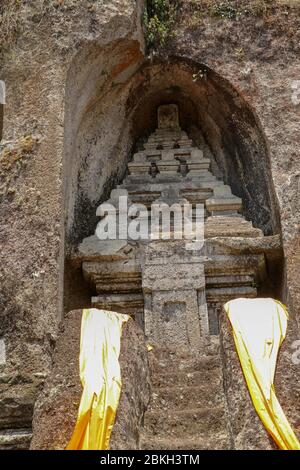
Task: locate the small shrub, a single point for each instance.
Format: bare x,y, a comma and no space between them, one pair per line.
158,19
12,154
224,10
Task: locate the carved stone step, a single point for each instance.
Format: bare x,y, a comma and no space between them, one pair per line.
223,226
185,422
161,362
213,442
212,376
184,397
17,409
15,439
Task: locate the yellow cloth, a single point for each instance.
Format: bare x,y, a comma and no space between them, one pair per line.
259,328
100,376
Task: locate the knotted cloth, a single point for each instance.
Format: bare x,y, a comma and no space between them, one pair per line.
259,328
100,376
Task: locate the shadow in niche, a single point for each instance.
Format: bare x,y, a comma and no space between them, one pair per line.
212,112
213,109
78,292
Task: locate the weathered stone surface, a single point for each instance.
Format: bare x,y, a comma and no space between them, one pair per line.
247,431
135,393
167,116
223,202
92,246
174,290
16,439
226,76
56,407
33,187
287,378
228,226
188,409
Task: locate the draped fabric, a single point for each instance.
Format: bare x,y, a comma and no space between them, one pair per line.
259,328
100,376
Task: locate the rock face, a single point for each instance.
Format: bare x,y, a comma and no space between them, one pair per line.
246,429
188,408
32,180
82,105
56,409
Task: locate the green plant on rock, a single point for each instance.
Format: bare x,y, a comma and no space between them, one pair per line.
224,10
158,19
200,75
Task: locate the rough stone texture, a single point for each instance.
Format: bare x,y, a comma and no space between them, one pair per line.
16,439
188,409
174,292
38,43
246,429
135,393
252,61
56,407
287,378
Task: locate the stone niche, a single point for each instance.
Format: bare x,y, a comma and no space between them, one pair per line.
158,135
176,293
158,120
167,117
174,289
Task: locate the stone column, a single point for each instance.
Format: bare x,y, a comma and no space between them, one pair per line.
174,291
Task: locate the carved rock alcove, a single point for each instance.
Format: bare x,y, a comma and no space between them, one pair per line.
149,278
164,134
217,137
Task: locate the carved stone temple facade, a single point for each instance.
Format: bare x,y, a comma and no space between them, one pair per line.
174,292
186,389
211,117
175,289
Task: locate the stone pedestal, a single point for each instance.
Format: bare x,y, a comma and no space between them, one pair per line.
173,284
223,202
140,165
